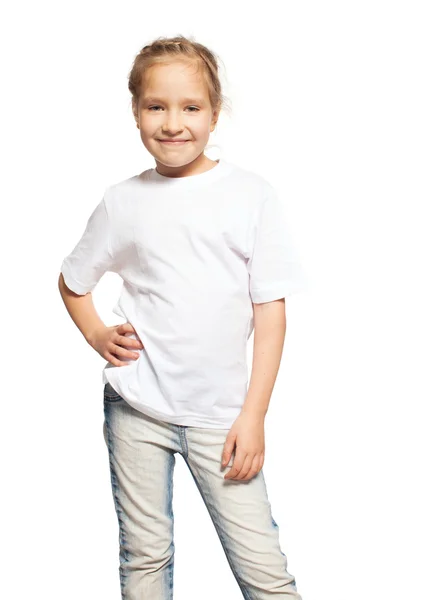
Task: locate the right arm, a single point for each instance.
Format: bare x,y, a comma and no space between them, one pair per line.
82,269
81,309
109,342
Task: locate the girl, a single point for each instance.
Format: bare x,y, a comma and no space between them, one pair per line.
205,258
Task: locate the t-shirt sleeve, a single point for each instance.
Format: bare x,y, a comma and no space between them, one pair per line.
274,266
91,257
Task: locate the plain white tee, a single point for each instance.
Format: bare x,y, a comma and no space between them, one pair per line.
194,253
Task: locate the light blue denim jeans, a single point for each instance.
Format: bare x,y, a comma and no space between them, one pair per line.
142,458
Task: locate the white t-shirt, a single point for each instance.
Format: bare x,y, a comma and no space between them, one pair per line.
193,253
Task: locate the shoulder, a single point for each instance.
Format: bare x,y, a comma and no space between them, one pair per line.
249,177
125,186
120,197
252,186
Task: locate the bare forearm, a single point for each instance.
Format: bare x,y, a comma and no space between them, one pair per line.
81,309
269,335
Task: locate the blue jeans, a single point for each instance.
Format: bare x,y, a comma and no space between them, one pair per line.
141,457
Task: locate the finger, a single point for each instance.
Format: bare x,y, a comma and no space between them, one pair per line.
125,329
245,468
255,467
123,340
236,465
114,361
261,461
225,459
228,448
121,328
119,351
131,330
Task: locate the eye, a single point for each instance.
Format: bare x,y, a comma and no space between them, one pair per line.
152,108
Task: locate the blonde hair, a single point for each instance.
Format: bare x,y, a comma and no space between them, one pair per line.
167,49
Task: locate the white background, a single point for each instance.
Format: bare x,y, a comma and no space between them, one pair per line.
337,105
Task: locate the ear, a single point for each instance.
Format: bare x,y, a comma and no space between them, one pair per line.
134,108
215,116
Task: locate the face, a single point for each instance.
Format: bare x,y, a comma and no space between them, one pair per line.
174,105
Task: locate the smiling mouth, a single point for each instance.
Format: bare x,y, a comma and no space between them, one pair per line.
176,142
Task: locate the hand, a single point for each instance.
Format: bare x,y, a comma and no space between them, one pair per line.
109,342
247,433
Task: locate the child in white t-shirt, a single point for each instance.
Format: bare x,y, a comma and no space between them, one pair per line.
205,258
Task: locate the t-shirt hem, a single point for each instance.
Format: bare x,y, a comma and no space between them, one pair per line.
274,293
183,421
187,421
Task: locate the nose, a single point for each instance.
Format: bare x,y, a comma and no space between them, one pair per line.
172,123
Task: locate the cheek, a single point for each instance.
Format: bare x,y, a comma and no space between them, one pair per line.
148,127
202,128
145,137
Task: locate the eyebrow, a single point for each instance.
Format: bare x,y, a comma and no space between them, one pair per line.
184,100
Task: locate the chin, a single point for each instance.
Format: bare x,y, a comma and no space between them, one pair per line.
172,163
176,161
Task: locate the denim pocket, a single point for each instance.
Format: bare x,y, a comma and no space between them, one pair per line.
111,395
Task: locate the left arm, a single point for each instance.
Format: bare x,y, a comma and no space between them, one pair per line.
247,432
269,334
